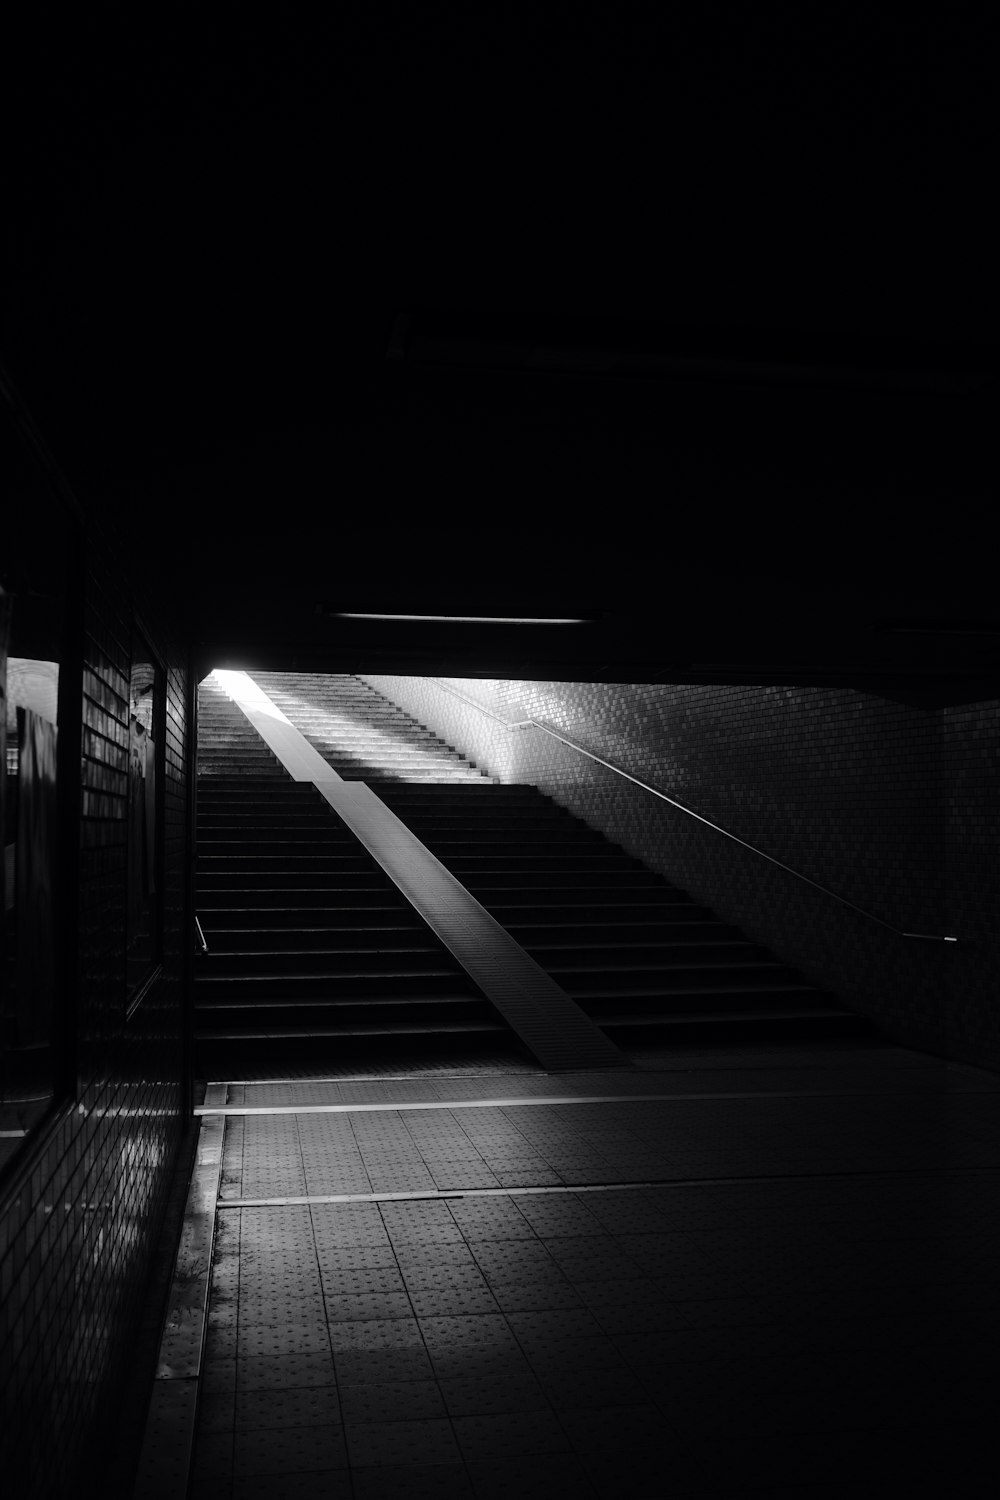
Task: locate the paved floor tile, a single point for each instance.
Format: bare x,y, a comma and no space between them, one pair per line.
591,1389
287,1450
534,1292
359,1307
361,1366
264,1340
284,1372
208,1487
541,1476
343,1282
450,1301
471,1361
496,1435
218,1376
298,1406
413,1482
350,1255
376,1333
410,1255
276,1309
725,1312
480,1394
590,1343
490,1219
392,1401
217,1411
213,1455
431,1441
221,1344
464,1330
316,1484
461,1276
540,1326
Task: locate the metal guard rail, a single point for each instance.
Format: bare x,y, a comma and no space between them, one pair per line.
536,724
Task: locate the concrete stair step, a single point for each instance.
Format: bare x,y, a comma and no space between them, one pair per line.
348,937
329,919
330,1015
336,847
609,929
330,862
585,956
411,1030
351,897
285,962
736,1028
518,835
664,977
369,890
735,996
648,904
502,893
560,879
263,820
466,800
366,984
597,861
237,769
371,1017
512,841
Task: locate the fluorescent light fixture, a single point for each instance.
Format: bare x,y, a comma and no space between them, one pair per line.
466,619
944,627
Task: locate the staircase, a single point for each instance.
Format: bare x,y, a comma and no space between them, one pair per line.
313,954
362,735
639,956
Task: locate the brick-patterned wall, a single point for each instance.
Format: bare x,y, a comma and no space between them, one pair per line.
970,763
78,1231
894,808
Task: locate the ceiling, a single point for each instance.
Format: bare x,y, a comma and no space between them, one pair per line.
685,325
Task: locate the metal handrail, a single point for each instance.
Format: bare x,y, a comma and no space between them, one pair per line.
201,935
535,724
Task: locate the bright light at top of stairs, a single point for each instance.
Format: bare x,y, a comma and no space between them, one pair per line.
242,689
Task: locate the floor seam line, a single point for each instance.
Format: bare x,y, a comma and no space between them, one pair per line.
592,1187
402,1106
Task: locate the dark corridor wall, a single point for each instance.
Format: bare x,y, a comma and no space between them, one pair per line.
894,808
81,1213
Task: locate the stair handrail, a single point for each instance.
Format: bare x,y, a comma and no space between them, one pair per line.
929,937
201,935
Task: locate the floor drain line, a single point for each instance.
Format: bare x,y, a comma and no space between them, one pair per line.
305,1200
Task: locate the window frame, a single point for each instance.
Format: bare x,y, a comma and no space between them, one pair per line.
136,993
64,1040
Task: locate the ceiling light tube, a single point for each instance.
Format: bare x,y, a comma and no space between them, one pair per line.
464,619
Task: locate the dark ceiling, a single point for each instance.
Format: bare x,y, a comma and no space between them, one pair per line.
686,323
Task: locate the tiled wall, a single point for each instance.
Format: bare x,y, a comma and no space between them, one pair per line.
893,808
76,1234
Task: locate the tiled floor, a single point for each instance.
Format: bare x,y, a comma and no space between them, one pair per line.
777,1277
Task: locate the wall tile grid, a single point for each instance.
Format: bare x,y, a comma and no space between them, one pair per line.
77,1236
889,806
972,855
